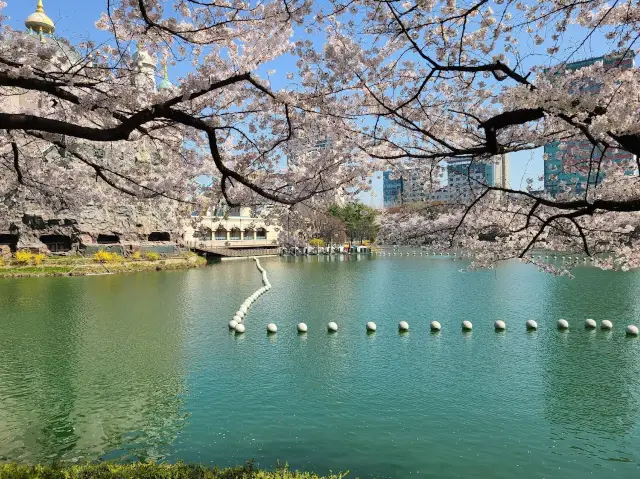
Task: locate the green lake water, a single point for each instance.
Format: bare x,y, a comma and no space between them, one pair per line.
143,366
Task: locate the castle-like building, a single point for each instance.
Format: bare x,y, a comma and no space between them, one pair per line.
26,221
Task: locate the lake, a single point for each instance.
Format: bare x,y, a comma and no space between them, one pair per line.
143,366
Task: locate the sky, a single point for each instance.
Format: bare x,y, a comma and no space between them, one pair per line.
75,20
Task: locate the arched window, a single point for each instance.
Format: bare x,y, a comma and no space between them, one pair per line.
204,234
235,234
221,234
249,234
261,234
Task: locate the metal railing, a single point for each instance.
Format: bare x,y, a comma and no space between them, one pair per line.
214,247
231,243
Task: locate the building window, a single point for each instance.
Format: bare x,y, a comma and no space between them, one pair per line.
261,234
221,234
248,234
235,234
204,234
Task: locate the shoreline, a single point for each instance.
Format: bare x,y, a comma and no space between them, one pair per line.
85,266
144,470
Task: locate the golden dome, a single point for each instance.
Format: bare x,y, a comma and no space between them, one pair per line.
39,22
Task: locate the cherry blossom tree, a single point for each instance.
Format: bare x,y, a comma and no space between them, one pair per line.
433,80
82,123
394,84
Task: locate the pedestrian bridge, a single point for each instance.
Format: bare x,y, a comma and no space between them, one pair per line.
235,251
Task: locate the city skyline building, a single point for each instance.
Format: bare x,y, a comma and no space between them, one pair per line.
403,189
463,177
566,164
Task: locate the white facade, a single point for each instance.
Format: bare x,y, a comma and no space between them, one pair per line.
238,229
145,71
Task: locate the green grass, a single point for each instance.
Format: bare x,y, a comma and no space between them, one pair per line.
108,470
80,265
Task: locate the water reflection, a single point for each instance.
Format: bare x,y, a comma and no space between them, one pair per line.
589,375
75,379
144,366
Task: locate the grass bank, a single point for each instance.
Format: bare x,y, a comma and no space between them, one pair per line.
148,471
78,265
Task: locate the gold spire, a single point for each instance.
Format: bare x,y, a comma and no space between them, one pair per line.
165,83
39,21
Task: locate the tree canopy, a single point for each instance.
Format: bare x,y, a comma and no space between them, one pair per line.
373,85
359,220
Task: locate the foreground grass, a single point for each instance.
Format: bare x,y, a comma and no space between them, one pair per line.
149,470
80,266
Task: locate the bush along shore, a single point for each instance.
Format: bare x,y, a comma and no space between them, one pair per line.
149,470
25,264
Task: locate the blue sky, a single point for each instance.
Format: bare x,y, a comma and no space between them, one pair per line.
75,21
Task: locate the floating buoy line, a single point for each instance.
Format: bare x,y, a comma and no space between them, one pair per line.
436,327
236,322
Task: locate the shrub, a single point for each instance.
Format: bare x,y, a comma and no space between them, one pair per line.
23,256
151,256
136,255
107,257
317,243
37,258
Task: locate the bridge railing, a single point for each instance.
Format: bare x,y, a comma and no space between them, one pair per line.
203,246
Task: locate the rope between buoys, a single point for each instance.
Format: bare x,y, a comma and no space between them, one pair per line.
244,308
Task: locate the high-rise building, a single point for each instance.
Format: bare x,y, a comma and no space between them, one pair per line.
566,164
321,145
466,179
464,176
401,189
391,190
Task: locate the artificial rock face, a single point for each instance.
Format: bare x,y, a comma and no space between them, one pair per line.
134,223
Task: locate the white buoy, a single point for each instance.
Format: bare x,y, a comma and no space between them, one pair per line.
606,325
237,319
332,327
240,329
563,324
239,314
531,324
233,324
589,323
632,330
272,328
435,326
302,328
467,326
244,308
371,326
500,325
403,326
